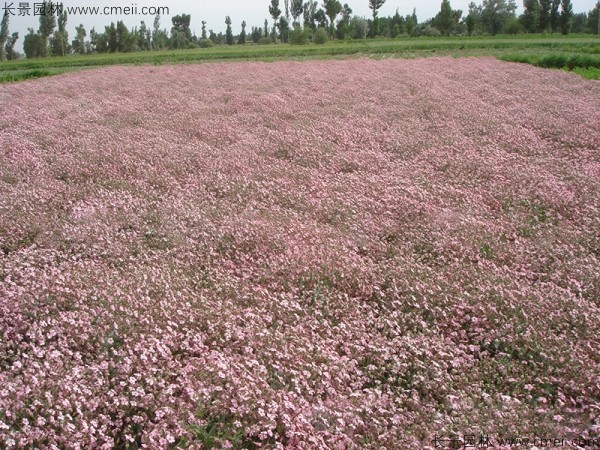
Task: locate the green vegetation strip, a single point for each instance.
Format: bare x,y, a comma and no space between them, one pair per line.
582,52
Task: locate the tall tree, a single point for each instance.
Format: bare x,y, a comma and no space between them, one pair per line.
78,43
375,6
332,9
555,15
242,39
545,6
343,26
496,13
61,37
203,35
181,33
9,49
566,17
310,11
228,32
296,11
531,16
274,10
33,45
3,36
47,23
266,28
444,21
284,29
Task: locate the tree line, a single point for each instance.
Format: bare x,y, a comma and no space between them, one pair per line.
298,22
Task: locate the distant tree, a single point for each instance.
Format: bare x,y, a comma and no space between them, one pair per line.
360,27
287,9
375,6
274,11
256,34
91,45
555,16
242,38
445,20
332,9
159,37
125,39
33,45
320,36
228,32
496,13
310,11
321,19
9,48
78,43
594,19
531,16
579,23
213,37
343,26
296,9
203,35
545,7
47,23
3,35
397,24
61,37
566,16
144,37
181,33
284,29
411,22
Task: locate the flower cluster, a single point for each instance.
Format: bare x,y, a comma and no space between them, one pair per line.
326,254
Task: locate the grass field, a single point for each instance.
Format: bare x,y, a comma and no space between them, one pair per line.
557,51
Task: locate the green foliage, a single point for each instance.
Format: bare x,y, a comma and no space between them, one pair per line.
274,10
296,9
33,45
544,22
78,43
9,49
566,16
591,73
554,15
206,43
299,36
513,26
446,21
228,32
256,34
320,36
25,75
531,16
332,9
265,41
3,36
47,23
496,13
242,38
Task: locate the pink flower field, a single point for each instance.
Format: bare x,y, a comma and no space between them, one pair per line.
305,255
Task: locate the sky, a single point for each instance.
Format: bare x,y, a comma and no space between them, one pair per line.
254,12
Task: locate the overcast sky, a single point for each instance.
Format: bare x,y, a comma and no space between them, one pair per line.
254,12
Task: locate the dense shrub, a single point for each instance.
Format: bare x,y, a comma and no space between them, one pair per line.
299,36
265,41
206,43
320,36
